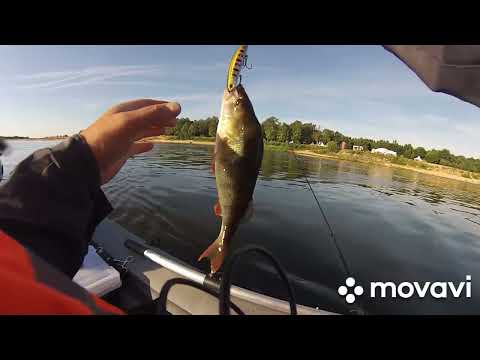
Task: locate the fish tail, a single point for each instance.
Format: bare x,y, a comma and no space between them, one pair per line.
216,252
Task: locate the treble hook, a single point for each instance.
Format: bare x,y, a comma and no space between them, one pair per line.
245,63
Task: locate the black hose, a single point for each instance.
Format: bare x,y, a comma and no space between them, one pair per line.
226,283
162,298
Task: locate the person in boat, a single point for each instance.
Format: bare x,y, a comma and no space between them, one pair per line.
52,203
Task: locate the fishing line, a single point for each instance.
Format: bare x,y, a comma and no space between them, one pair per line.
332,234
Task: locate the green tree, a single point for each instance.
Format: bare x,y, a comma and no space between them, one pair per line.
296,128
332,146
338,137
193,130
433,156
408,151
270,128
317,136
327,135
307,133
179,126
283,133
203,127
420,151
212,126
184,132
445,155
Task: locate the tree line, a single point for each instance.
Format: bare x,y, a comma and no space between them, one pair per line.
188,129
277,132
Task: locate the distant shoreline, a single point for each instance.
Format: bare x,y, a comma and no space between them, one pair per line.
32,139
433,169
175,141
438,170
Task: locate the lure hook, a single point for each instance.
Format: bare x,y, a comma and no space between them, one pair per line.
245,63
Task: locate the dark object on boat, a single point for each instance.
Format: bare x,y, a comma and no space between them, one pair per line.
448,69
153,268
220,289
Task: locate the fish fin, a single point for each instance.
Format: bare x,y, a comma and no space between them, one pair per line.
216,253
218,209
248,213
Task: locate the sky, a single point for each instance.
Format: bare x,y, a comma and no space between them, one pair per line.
357,90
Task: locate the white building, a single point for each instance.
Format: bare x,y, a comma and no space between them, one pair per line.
384,151
357,148
418,158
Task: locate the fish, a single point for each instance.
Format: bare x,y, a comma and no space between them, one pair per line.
236,164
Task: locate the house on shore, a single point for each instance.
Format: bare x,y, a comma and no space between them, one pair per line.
384,151
418,158
357,148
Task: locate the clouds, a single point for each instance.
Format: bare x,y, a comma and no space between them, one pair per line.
114,75
88,76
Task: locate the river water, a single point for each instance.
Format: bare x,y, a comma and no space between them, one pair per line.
388,224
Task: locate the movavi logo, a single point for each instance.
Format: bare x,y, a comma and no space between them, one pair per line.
438,290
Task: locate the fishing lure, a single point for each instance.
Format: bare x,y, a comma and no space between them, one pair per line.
239,61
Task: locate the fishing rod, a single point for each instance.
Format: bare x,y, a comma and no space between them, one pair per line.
330,229
352,310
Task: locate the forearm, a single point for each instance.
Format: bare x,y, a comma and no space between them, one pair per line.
53,202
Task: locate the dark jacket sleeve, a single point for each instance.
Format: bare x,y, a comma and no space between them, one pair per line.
52,203
449,69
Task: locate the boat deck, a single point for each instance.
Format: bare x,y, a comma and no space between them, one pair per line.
144,281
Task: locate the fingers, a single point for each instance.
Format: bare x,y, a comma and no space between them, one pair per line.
155,115
151,120
133,105
138,148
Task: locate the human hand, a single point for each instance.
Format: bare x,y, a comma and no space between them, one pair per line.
113,137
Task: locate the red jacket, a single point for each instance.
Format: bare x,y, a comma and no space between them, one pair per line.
25,292
49,208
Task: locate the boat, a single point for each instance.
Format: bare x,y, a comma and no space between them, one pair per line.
145,270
